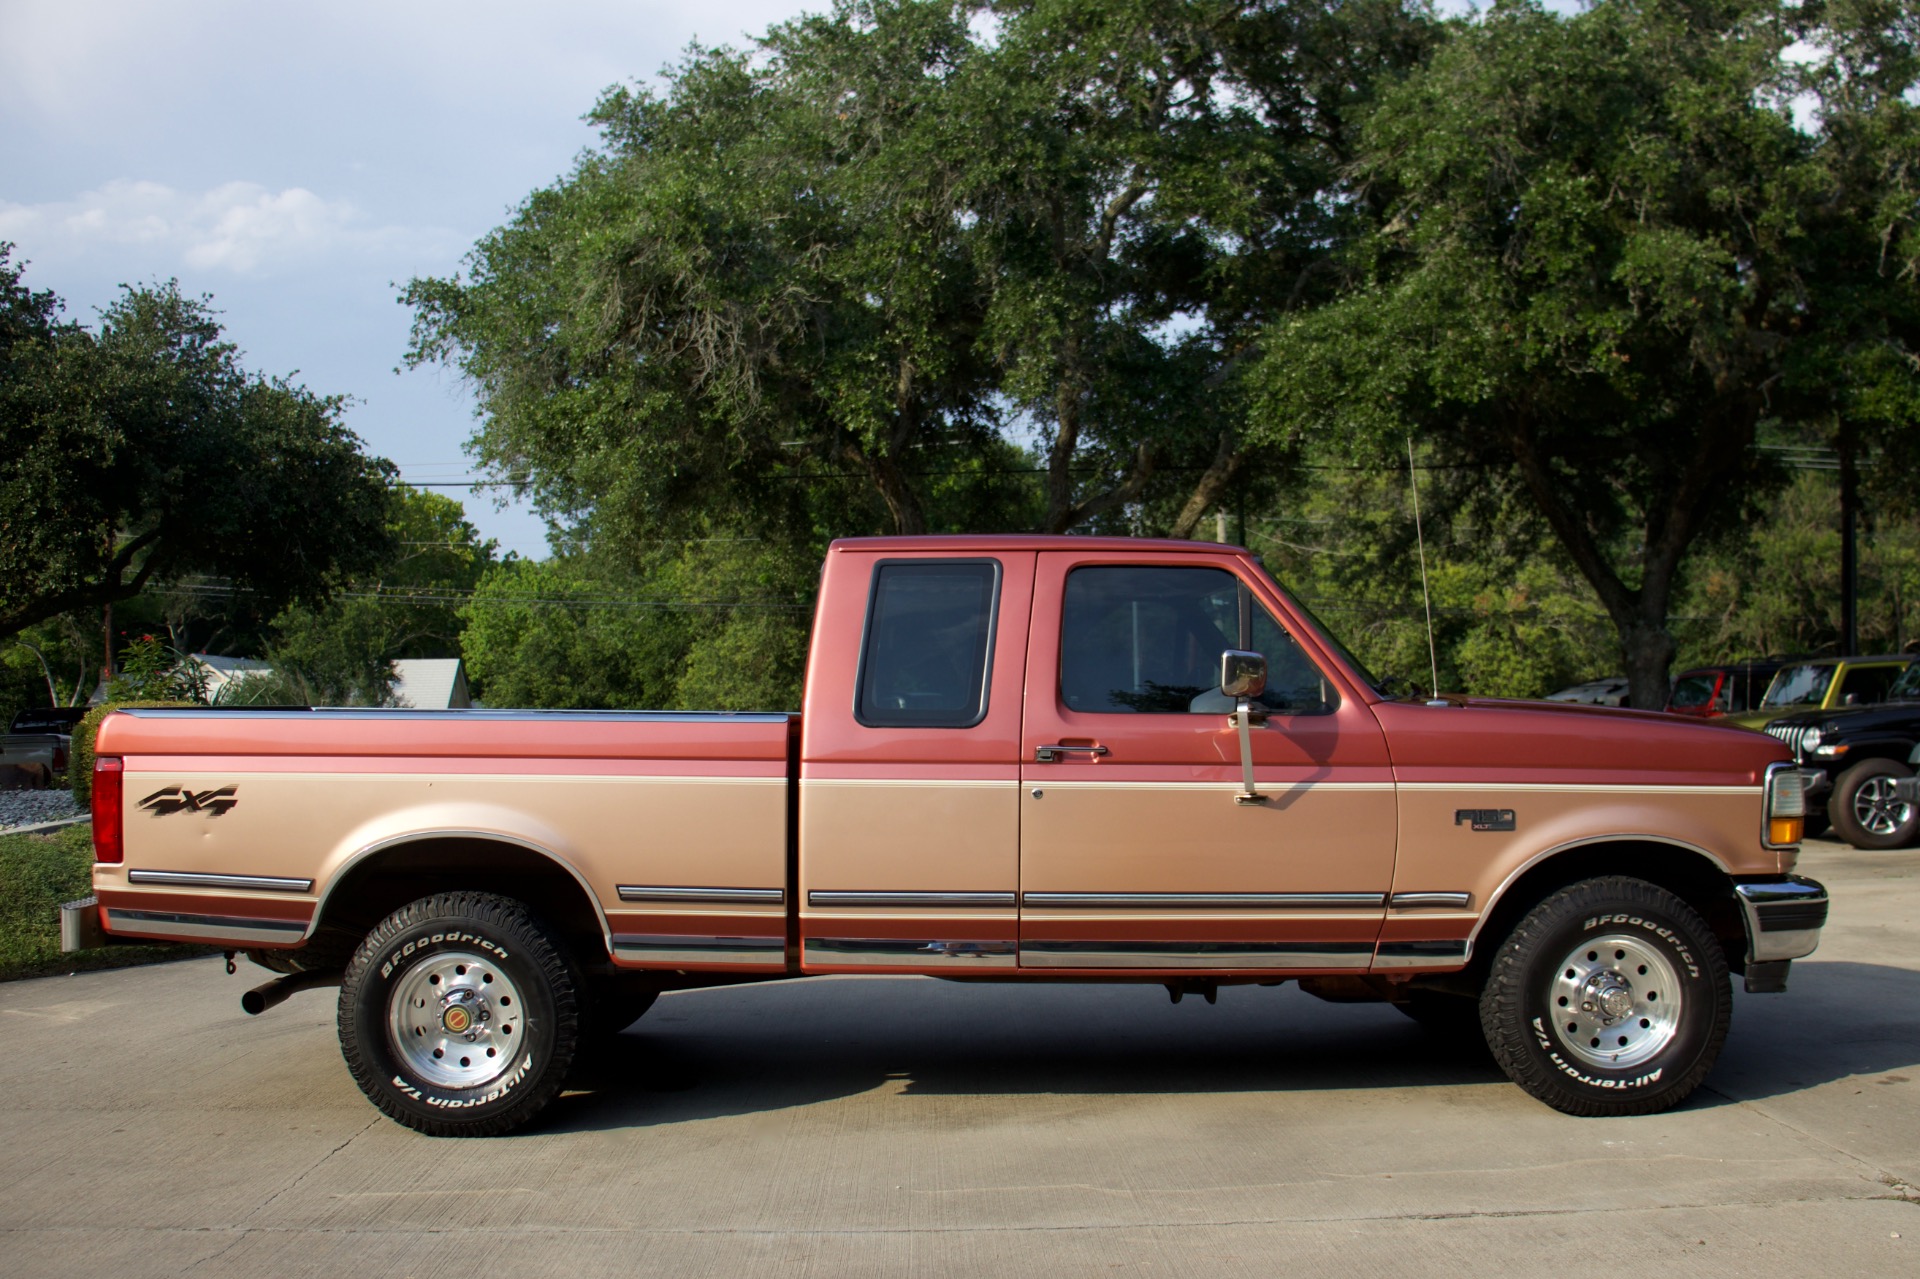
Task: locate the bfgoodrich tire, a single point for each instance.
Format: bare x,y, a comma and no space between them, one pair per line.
1866,812
459,1015
1610,998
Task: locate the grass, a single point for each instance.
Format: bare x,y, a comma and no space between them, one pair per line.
37,874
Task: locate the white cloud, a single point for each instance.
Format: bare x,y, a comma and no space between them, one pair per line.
237,227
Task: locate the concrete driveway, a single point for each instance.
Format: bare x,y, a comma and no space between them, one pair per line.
885,1126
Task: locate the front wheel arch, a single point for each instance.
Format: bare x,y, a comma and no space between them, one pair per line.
1686,872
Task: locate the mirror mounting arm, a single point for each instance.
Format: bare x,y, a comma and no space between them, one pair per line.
1243,719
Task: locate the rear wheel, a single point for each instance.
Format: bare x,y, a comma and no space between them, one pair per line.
1865,810
459,1015
1610,998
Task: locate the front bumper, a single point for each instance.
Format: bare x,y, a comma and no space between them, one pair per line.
1783,917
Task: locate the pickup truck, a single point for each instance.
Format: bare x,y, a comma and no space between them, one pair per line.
1018,758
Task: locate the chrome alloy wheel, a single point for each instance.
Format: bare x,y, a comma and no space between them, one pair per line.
1878,808
455,1020
1615,1001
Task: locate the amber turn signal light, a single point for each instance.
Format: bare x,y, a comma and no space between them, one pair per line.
1786,830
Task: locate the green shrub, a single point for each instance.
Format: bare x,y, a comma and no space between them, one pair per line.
80,753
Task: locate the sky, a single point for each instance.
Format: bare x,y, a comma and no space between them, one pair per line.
299,162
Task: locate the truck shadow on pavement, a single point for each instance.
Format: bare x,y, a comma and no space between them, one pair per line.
758,1049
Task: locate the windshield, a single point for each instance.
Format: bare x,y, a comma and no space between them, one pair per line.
1693,691
1797,685
1325,636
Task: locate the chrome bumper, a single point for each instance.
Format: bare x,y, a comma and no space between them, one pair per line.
80,925
1783,916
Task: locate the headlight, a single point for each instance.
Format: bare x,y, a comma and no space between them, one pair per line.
1810,739
1786,817
1786,793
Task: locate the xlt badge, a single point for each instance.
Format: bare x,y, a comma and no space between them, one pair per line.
1484,818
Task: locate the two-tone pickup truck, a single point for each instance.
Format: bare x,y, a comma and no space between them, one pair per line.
1019,759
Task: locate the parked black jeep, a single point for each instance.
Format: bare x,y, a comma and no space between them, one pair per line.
1854,757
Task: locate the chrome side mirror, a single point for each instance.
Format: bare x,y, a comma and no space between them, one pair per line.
1242,674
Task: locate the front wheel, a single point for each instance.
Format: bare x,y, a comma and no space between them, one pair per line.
1610,998
459,1015
1865,809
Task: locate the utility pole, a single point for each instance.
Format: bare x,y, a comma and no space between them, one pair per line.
1849,551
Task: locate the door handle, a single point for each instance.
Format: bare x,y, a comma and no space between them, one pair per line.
1050,754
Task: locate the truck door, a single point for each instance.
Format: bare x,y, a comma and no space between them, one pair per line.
1134,853
909,854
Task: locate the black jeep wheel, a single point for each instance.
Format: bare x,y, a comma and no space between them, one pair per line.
1610,998
1865,810
459,1015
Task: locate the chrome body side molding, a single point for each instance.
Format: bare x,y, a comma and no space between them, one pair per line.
893,952
1209,901
705,896
837,897
239,929
663,949
203,879
1457,901
1127,954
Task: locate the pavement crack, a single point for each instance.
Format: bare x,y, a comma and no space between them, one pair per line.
241,1230
1812,1139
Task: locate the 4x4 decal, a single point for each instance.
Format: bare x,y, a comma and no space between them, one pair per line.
175,799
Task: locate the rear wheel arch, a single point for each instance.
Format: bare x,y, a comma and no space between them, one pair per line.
381,878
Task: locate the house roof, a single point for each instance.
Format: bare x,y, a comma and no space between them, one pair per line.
430,683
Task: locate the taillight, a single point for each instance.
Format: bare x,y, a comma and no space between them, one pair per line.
109,823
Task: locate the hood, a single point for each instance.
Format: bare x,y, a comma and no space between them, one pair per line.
1554,742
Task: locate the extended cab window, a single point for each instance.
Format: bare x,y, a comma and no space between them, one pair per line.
929,644
1148,640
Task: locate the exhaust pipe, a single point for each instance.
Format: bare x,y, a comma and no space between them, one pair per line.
277,991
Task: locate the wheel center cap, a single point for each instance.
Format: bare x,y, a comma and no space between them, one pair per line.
457,1018
1615,1000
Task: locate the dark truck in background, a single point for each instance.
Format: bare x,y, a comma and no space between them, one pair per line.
36,744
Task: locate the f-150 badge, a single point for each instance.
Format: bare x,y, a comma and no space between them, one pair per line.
1484,818
169,800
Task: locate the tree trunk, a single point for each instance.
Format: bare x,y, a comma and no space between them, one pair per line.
1208,491
1647,648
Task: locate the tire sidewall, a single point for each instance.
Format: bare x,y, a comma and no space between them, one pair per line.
1687,946
1840,806
383,964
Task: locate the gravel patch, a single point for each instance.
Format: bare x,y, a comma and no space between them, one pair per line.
21,808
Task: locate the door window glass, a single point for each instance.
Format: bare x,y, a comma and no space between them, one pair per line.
1865,685
1148,639
929,644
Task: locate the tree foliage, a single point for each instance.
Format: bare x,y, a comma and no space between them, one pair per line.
340,652
826,280
1612,256
142,450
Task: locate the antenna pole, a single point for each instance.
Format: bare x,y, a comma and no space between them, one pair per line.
1413,479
